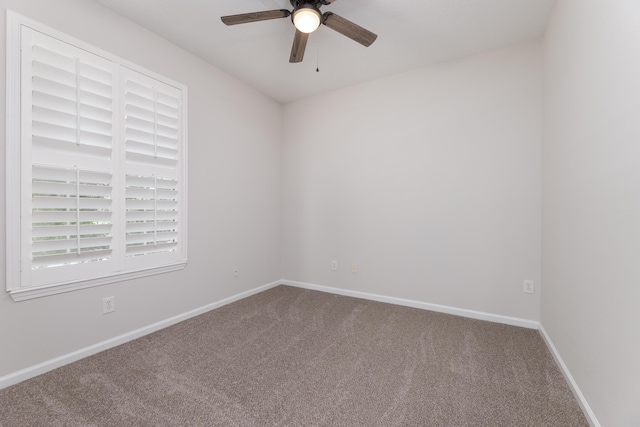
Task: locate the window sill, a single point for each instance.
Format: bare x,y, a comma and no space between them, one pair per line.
43,291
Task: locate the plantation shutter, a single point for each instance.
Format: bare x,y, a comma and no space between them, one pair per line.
152,169
96,165
67,109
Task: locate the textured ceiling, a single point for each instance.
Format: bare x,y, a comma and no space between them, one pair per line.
411,34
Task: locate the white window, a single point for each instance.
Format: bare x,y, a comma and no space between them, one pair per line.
96,165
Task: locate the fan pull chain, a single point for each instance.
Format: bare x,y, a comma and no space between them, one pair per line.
317,57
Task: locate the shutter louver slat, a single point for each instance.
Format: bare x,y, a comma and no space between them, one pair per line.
171,101
93,138
166,131
139,101
59,189
63,147
51,203
139,216
54,103
151,204
139,123
171,122
140,154
151,238
95,127
139,193
52,58
57,76
146,227
148,193
42,247
46,217
96,113
94,99
144,152
47,115
139,181
70,230
97,74
61,174
140,135
170,144
55,89
141,113
147,250
90,86
53,131
141,89
61,260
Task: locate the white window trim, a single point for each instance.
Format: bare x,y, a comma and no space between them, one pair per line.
13,168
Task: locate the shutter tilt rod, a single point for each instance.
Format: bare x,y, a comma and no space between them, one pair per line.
77,101
155,123
155,211
77,211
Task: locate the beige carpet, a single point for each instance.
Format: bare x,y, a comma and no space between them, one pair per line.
293,357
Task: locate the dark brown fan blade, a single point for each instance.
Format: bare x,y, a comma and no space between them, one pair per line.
299,45
345,27
244,18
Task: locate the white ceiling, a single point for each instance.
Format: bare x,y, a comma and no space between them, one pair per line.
411,34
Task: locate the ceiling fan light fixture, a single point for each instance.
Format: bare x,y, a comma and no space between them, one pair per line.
306,19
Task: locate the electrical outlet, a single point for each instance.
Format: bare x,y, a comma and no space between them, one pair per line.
354,268
528,287
236,271
334,265
108,305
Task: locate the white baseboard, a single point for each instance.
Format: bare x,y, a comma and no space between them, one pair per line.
52,364
586,409
496,318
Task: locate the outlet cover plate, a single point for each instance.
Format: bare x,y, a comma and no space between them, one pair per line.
108,305
529,287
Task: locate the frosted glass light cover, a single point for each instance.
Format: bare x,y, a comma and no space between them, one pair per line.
306,20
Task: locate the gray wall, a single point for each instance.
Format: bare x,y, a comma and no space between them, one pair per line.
429,181
591,201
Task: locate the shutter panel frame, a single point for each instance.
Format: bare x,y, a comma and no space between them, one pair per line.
152,181
70,157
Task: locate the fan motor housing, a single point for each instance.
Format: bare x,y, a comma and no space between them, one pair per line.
313,4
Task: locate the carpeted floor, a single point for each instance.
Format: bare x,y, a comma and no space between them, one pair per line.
293,357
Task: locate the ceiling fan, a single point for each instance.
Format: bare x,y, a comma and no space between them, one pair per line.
306,17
